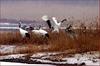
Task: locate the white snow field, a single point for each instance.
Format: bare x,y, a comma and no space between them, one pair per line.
21,64
89,58
7,48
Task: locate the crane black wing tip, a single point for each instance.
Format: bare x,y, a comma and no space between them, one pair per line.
47,35
27,35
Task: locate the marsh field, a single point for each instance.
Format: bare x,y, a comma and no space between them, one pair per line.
53,50
60,45
79,48
85,41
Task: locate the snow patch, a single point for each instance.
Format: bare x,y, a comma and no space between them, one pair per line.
12,56
22,64
7,48
89,58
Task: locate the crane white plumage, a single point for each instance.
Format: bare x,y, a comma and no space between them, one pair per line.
40,32
23,32
47,20
56,24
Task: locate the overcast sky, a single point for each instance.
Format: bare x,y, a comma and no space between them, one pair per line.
34,9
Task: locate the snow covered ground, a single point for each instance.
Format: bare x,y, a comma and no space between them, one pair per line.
55,58
88,58
7,48
21,64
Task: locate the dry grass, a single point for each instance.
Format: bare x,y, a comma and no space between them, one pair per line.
86,41
15,38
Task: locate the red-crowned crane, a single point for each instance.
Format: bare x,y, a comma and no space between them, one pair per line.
23,32
40,32
53,24
56,24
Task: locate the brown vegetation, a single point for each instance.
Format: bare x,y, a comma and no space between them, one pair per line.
85,41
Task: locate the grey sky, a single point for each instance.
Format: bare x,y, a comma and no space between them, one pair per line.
34,9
